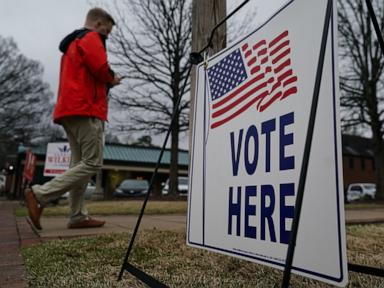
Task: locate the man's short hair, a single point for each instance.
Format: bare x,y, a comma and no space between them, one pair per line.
97,13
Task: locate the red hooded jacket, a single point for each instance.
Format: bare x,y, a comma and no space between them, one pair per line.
84,76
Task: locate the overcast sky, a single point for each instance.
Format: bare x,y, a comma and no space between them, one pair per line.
38,26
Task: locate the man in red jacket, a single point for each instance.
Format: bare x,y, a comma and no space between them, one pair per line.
81,108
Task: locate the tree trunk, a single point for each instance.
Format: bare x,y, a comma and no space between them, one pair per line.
379,161
173,180
379,164
174,169
377,133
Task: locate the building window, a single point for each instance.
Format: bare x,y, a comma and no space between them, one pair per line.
351,164
362,160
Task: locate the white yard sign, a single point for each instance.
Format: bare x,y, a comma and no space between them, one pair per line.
57,159
251,116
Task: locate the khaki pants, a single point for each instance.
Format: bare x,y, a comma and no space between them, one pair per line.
85,137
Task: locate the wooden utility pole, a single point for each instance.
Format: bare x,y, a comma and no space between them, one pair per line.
205,16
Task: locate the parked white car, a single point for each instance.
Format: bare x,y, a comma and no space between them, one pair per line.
358,191
2,183
88,193
182,187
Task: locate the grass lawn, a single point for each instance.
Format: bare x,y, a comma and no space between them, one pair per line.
153,207
116,208
96,262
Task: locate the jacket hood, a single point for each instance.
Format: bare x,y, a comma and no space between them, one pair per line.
79,33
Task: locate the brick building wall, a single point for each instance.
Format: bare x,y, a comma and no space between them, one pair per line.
358,170
358,161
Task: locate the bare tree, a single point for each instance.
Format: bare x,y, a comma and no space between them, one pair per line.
24,98
361,78
150,49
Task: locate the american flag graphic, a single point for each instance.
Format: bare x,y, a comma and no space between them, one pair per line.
253,76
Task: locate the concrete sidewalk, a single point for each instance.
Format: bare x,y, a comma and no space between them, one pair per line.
365,216
56,227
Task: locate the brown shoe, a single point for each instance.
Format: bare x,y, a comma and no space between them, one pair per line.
86,223
34,208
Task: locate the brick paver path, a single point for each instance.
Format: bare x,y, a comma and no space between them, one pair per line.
12,272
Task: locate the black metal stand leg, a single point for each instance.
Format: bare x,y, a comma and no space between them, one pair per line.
194,59
176,110
372,15
307,149
366,270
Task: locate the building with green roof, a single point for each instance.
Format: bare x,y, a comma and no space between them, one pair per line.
120,162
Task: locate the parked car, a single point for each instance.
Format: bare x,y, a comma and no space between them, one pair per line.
131,188
2,183
182,187
358,191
